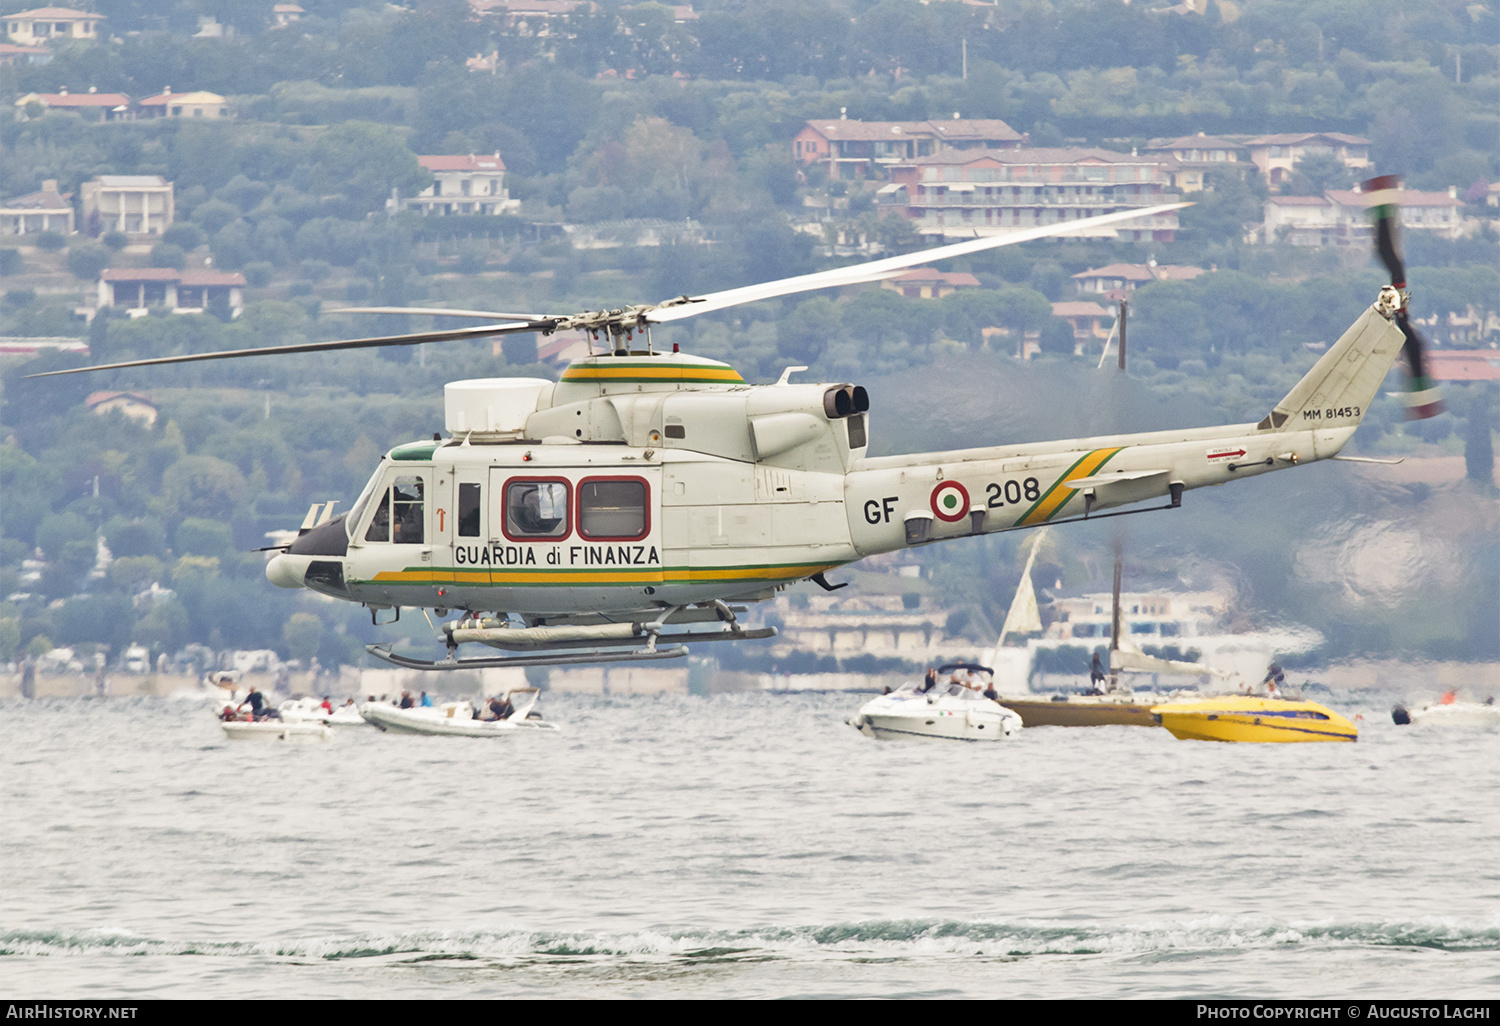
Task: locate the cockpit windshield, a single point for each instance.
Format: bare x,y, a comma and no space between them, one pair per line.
358,509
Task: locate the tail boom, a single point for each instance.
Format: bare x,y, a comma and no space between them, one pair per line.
897,501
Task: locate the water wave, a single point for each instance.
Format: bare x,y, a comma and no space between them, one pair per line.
893,939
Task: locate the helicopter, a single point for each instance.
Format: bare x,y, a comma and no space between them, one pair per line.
635,505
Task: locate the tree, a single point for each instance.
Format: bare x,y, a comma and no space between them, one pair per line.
365,162
202,486
87,261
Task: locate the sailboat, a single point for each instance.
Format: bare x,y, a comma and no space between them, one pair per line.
1117,703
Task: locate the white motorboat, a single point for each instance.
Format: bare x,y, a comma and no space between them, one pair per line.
954,708
1449,713
275,730
458,719
310,710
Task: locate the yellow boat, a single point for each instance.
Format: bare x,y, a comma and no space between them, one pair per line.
1246,718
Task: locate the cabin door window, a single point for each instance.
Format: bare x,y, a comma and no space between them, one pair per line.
537,508
613,509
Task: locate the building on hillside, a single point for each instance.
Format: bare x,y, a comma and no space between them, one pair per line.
132,404
930,283
1341,217
44,211
1090,321
184,105
464,185
855,148
965,193
1277,155
138,289
43,24
1194,162
107,106
133,204
283,15
1117,279
11,53
1464,364
538,19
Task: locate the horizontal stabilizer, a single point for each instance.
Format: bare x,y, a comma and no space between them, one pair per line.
1119,477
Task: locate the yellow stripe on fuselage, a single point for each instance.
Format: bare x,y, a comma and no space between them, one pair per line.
1058,495
719,375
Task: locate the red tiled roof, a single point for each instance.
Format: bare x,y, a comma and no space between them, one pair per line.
1126,272
53,13
1293,138
922,274
1464,364
483,162
140,274
84,99
43,200
1080,309
1033,155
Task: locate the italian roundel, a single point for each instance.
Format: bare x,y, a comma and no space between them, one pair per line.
950,501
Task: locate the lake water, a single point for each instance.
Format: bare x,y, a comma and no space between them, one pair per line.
739,845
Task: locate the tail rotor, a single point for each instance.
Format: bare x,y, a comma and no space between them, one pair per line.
1422,398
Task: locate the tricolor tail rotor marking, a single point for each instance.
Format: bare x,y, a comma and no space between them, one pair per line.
1422,398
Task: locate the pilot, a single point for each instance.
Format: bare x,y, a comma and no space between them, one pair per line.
501,707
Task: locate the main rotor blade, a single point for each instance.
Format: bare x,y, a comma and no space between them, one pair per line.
482,331
435,312
878,270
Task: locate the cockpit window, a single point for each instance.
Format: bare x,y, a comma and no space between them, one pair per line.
536,509
358,509
380,525
400,516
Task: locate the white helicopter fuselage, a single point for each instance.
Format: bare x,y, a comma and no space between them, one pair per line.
645,482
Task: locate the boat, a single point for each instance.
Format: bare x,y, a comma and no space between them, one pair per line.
948,711
1449,712
310,710
457,719
275,730
1255,719
1117,703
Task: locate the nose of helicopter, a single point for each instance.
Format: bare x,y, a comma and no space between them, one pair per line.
285,571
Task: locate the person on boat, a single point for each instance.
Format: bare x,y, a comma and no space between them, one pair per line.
256,701
228,715
327,705
1449,697
990,692
1096,674
501,707
928,682
426,702
406,700
1275,681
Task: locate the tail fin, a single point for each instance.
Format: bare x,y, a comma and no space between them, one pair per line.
1338,389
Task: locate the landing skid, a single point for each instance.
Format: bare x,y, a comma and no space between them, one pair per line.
556,659
676,649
